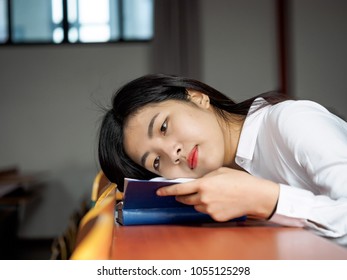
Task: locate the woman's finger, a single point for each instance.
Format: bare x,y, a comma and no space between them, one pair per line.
178,189
201,208
190,199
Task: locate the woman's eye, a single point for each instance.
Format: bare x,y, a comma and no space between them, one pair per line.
163,127
156,163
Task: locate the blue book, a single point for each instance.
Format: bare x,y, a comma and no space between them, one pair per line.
142,206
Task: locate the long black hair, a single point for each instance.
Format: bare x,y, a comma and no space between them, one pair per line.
142,91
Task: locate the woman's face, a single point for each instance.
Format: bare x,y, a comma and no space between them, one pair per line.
176,139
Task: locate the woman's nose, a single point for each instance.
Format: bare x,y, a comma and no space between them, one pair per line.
177,155
174,153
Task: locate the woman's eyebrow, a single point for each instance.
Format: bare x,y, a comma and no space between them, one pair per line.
144,158
150,126
150,135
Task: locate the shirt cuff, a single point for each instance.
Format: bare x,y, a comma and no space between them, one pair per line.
293,206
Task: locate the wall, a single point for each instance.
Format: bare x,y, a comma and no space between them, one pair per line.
240,55
319,57
49,116
239,46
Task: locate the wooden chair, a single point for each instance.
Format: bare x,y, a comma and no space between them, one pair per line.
59,249
103,187
95,230
104,204
99,184
63,245
70,235
96,244
96,225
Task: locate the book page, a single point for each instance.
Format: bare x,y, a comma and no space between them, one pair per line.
178,180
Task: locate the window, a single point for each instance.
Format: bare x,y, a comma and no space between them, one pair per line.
3,21
75,21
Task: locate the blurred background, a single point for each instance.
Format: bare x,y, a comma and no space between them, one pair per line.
61,61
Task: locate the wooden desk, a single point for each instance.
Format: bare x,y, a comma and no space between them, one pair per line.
248,240
8,233
17,192
220,241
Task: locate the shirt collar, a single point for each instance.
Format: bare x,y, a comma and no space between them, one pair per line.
250,128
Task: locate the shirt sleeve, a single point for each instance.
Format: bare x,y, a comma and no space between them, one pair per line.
301,208
318,141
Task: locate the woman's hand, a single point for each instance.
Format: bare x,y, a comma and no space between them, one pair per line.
226,193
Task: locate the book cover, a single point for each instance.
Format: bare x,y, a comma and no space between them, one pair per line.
142,206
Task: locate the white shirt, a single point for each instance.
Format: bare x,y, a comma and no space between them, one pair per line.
302,147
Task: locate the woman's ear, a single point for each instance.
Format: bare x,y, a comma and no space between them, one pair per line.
199,98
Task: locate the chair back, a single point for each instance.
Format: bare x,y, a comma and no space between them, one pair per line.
96,226
104,205
99,184
95,230
96,244
59,249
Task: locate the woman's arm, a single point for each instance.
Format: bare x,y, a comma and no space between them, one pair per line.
317,141
320,213
226,193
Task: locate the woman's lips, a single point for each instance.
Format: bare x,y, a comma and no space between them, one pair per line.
193,158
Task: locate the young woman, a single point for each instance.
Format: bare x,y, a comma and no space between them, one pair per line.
266,157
